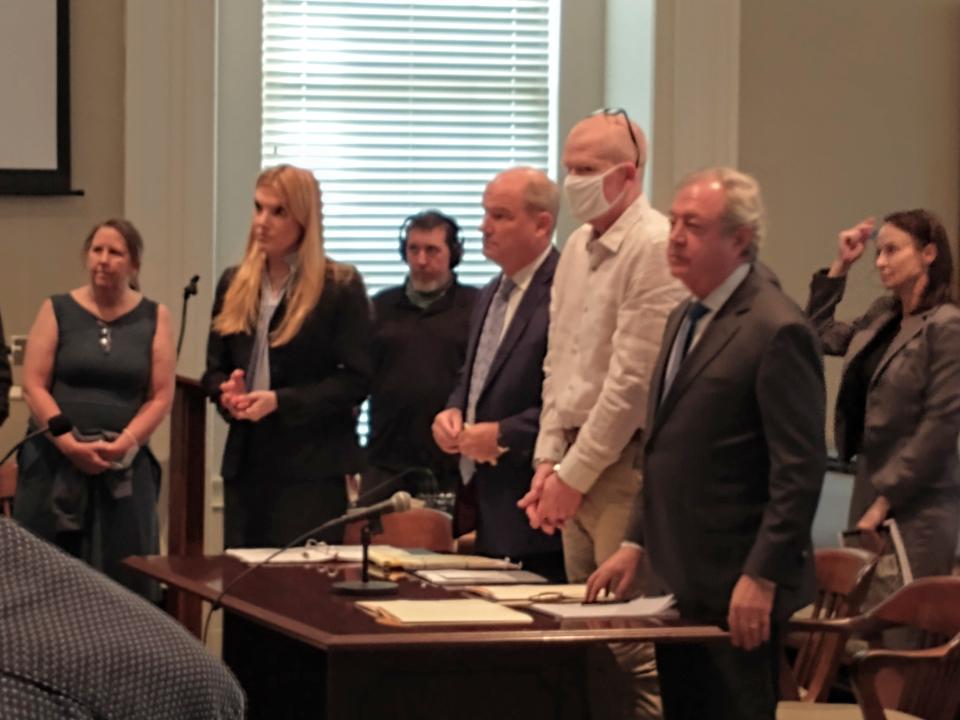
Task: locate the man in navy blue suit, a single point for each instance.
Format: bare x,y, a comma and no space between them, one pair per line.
493,415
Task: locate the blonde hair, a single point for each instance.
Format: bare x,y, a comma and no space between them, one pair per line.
300,194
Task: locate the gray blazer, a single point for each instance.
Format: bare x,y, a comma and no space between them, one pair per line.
734,455
912,418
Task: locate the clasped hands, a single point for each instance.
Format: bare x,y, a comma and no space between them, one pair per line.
97,456
477,441
243,405
550,502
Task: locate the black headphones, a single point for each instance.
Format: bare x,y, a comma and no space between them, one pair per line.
428,220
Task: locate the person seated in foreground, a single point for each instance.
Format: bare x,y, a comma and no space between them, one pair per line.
75,644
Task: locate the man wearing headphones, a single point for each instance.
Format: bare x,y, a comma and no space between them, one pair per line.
419,346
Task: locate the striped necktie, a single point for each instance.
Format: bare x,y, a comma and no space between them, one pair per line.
486,350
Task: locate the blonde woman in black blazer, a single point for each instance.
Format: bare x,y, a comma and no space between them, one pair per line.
898,408
288,360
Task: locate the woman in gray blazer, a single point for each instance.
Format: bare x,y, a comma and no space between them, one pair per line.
898,408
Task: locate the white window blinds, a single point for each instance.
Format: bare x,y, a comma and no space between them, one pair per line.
401,106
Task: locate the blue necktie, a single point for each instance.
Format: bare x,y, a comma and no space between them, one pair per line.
486,350
682,343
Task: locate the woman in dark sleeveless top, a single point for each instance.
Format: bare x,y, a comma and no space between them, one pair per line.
103,356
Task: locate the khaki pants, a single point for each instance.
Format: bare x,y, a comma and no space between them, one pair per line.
622,677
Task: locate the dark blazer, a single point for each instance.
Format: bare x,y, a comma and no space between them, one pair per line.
320,376
911,421
417,355
734,455
511,395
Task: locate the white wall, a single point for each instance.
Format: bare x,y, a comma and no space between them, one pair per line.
42,236
848,109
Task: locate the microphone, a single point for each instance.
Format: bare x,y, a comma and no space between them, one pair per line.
191,288
188,291
57,425
398,502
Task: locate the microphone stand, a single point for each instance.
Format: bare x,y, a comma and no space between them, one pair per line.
365,586
188,291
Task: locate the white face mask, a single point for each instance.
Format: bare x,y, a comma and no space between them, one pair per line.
585,195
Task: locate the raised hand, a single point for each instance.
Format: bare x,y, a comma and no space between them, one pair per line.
850,246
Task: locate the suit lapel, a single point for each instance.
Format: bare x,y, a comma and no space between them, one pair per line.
536,294
483,303
660,368
910,327
862,339
721,330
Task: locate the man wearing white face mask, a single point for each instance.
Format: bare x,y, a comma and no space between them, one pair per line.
611,296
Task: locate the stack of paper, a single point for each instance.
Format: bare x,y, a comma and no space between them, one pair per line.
479,577
638,607
295,555
443,612
512,594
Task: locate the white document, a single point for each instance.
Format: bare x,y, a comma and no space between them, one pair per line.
291,556
479,577
638,607
440,612
531,593
316,552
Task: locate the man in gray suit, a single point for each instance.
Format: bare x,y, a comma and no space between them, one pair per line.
493,413
733,459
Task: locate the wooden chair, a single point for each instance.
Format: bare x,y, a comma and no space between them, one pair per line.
8,486
843,578
413,528
899,683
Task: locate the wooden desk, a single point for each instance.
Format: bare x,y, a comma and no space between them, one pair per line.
376,670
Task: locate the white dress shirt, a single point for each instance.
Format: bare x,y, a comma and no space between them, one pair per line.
522,279
610,300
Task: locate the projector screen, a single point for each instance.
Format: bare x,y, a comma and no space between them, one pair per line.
34,85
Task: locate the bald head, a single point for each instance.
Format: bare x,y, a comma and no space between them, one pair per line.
608,137
604,168
520,210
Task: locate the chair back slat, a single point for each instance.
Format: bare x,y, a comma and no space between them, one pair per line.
843,578
930,605
927,687
931,690
414,528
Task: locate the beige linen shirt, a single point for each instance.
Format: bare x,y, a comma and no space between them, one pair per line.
609,304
